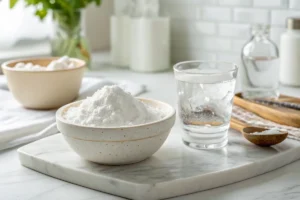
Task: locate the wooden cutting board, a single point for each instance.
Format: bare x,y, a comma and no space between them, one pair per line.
281,115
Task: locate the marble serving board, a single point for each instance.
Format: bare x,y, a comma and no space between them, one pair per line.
172,171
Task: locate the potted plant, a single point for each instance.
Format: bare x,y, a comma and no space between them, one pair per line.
68,38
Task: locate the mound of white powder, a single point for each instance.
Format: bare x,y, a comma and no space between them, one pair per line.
62,63
112,107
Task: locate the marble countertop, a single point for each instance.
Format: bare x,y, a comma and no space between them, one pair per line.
18,182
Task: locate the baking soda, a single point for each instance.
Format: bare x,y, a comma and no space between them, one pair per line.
267,132
61,63
112,107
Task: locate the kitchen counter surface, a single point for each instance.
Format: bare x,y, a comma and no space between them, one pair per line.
20,183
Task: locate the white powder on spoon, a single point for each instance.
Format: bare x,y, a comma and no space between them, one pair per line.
267,132
112,107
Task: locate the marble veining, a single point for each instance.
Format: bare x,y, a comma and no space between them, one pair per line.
172,171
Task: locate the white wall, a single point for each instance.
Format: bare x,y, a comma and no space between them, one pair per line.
217,29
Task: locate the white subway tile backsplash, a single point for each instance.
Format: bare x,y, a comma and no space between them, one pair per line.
208,28
181,27
187,42
179,55
237,45
216,44
229,57
188,27
234,30
199,2
209,43
295,4
216,14
235,2
249,15
218,29
170,2
271,3
279,16
205,2
180,11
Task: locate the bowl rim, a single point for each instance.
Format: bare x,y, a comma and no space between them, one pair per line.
169,115
5,66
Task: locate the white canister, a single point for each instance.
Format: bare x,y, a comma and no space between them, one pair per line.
120,40
150,44
290,53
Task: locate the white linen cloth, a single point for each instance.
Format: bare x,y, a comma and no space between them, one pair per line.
19,125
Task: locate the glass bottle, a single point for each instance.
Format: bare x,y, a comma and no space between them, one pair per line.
68,38
260,65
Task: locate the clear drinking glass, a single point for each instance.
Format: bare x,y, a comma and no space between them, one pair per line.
205,97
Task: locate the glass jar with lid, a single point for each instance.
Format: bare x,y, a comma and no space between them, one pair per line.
260,65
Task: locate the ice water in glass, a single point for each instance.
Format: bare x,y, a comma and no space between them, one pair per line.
205,97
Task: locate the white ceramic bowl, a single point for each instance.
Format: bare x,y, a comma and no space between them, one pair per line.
43,89
120,145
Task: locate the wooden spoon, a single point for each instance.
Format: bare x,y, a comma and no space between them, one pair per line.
261,140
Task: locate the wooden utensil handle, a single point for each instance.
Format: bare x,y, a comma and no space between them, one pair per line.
236,124
281,115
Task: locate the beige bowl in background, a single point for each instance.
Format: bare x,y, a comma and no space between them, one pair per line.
43,89
117,145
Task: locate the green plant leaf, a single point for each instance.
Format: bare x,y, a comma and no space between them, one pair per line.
98,2
12,3
69,7
64,5
41,13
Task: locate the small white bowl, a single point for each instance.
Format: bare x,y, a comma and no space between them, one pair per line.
43,89
120,145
